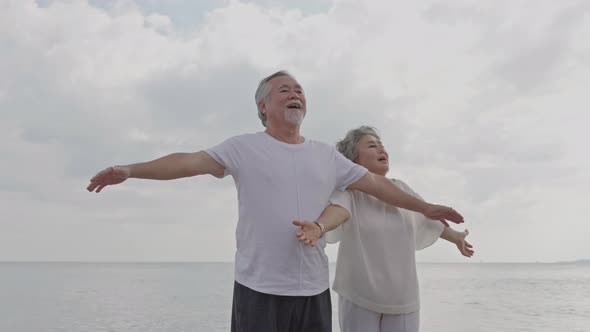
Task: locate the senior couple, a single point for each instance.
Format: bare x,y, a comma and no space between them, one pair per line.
295,193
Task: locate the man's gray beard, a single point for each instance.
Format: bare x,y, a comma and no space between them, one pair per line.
294,116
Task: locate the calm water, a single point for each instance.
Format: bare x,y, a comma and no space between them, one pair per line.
78,297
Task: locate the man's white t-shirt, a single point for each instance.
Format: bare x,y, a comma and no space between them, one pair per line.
276,184
376,267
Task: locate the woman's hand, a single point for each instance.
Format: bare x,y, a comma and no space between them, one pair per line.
309,232
464,247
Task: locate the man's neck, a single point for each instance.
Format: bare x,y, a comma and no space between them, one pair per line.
289,135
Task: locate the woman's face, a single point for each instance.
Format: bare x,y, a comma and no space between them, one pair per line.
372,155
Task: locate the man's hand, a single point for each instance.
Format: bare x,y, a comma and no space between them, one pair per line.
110,176
309,232
441,212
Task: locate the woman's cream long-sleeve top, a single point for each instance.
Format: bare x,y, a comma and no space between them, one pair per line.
376,267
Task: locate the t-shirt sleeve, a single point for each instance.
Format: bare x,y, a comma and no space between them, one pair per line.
347,172
343,199
427,231
226,153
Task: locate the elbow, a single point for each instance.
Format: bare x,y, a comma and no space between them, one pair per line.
346,217
366,184
372,184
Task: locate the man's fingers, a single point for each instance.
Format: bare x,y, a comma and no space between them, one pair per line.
453,219
445,212
100,180
97,177
91,186
102,173
455,216
100,187
297,223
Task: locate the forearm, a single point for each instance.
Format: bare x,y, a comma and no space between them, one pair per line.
333,216
172,166
384,190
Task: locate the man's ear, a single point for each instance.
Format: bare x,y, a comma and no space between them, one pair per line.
262,107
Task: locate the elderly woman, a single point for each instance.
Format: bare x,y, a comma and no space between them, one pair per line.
376,276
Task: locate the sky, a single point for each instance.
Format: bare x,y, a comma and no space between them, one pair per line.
482,106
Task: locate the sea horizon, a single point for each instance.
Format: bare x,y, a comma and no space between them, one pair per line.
232,262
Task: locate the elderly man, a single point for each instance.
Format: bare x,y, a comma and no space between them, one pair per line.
281,176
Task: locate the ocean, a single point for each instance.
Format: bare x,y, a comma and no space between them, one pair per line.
187,297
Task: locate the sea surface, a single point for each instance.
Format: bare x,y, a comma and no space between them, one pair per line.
183,297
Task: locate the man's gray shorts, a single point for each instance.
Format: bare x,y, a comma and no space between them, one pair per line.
253,311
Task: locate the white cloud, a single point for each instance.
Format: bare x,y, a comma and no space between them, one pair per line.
482,106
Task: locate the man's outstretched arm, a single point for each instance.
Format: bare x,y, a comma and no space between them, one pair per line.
172,166
383,189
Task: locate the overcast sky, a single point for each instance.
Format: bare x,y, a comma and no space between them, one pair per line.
482,105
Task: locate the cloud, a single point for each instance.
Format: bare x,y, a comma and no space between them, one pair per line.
480,105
